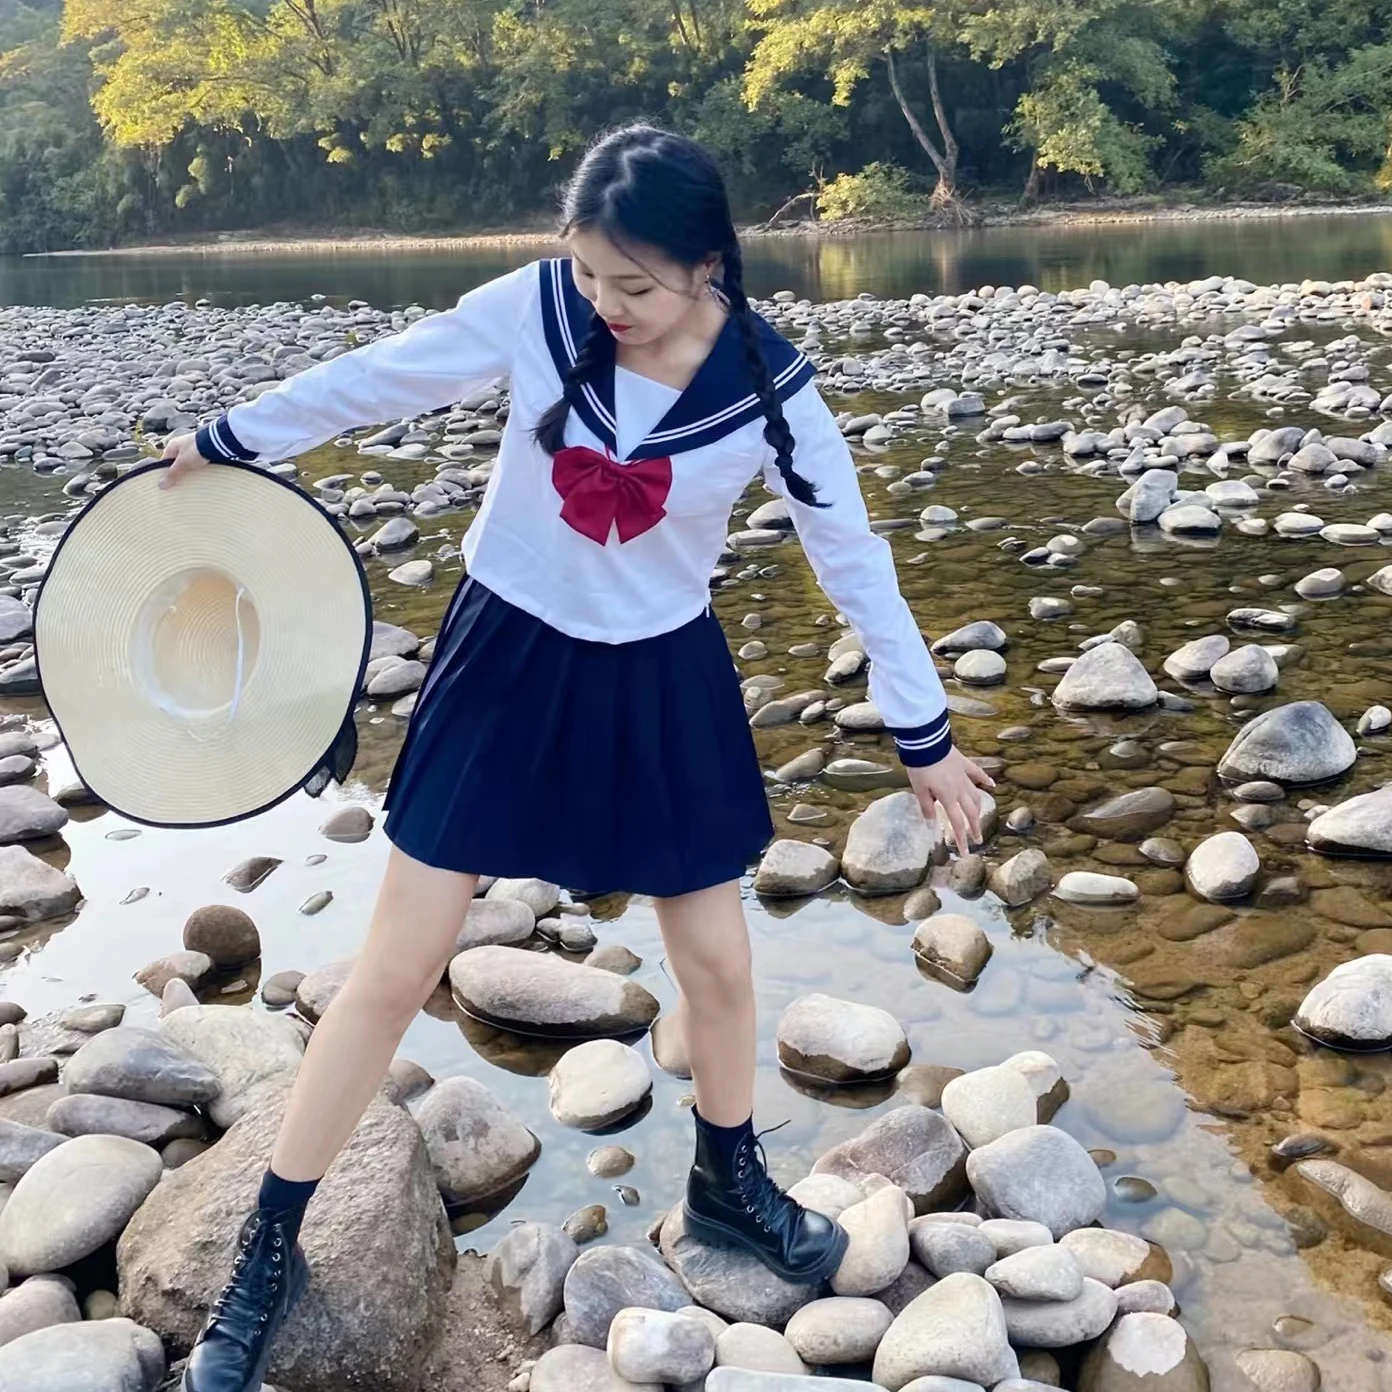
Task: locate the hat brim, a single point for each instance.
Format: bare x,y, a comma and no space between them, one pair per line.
201,648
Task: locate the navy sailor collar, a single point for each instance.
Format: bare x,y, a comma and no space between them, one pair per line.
718,400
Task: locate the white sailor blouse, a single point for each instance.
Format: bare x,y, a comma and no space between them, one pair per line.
604,547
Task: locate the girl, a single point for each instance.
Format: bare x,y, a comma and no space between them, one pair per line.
582,721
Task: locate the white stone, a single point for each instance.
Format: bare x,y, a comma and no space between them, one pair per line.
1089,887
878,1250
598,1083
986,1104
1224,866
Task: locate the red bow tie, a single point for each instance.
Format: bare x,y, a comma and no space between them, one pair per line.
601,493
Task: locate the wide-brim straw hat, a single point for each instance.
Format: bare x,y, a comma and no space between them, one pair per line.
201,647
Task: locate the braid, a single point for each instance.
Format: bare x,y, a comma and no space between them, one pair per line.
595,350
776,431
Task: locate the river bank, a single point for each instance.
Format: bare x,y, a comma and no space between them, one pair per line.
1151,532
1115,212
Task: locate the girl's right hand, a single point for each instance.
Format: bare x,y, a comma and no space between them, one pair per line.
181,454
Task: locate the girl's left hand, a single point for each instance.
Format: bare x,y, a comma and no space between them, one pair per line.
951,784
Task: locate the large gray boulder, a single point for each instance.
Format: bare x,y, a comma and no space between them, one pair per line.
734,1284
1039,1174
142,1065
1359,826
605,1280
376,1236
1296,743
537,993
890,845
73,1201
112,1355
477,1147
1352,1007
247,1049
1107,677
954,1329
913,1147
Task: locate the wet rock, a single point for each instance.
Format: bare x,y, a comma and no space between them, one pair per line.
395,534
536,993
586,1224
1296,743
986,1104
756,1349
1040,1174
980,635
141,1065
1245,670
317,989
1037,1273
840,1041
226,935
1225,866
913,1147
1106,1255
1145,1297
39,1303
726,1280
945,1248
1130,816
890,845
879,1244
251,872
1107,677
191,968
659,1346
33,890
840,1330
476,1147
1100,891
1360,825
953,944
376,1239
246,1049
792,868
26,814
1352,1006
1022,878
19,1074
1279,1370
348,824
980,668
87,1114
956,1329
21,1147
1145,1353
1360,1198
112,1355
669,1047
73,1201
598,1083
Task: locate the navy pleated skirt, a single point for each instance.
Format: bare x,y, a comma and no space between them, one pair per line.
597,766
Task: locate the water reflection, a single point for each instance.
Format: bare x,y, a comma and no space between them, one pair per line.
1264,250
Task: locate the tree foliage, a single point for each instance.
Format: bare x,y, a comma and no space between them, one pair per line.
148,117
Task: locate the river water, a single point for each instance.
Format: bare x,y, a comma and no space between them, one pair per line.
1173,1044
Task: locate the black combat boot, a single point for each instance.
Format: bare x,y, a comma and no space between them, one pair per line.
269,1275
732,1202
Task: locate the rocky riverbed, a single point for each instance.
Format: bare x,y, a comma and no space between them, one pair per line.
1149,529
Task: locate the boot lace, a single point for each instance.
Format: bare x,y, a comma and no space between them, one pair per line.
244,1306
764,1201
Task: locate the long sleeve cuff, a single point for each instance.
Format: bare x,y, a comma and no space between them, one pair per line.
217,444
924,744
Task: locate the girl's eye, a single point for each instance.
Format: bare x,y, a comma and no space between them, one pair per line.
633,294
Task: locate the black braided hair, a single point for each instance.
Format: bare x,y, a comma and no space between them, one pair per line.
596,348
776,430
646,188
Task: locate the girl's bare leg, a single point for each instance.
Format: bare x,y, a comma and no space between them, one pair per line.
415,926
707,943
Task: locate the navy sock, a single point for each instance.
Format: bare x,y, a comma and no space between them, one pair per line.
724,1141
287,1197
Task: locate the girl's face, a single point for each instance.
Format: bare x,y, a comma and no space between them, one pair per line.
642,296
